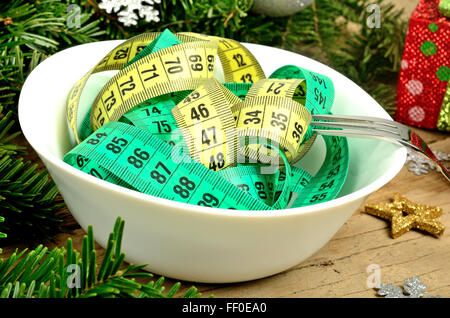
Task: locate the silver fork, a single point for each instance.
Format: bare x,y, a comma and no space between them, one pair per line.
374,127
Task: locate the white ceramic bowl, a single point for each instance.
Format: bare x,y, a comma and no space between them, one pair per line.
190,242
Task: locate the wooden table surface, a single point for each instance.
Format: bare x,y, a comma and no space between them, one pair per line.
339,269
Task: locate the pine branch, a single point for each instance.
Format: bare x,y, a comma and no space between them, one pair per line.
28,201
368,56
66,273
372,57
6,145
31,31
2,235
385,95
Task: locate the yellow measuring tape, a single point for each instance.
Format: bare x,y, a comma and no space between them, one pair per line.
276,118
175,68
114,60
239,65
165,83
207,123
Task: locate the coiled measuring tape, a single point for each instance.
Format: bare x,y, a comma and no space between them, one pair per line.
165,127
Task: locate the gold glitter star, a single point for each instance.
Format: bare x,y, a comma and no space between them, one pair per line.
405,215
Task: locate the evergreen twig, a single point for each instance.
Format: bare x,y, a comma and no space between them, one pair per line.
36,29
7,147
66,273
27,200
2,235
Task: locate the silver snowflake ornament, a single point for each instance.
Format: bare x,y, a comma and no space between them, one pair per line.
418,168
419,164
413,288
389,291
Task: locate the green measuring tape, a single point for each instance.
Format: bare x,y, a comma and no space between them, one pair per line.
129,156
146,151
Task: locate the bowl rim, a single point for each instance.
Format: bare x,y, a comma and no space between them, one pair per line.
45,154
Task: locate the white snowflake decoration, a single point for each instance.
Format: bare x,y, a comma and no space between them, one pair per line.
413,288
418,164
110,5
134,9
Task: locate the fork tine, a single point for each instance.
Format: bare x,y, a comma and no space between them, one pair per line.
356,125
372,123
346,118
363,133
378,128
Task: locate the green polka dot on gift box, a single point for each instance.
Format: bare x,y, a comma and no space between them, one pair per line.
443,73
433,27
428,48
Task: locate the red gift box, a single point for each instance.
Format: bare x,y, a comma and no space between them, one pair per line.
425,69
